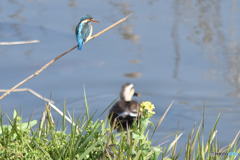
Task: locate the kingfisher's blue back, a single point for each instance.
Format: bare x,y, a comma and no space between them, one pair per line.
83,31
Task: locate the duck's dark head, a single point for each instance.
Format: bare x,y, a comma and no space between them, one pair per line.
128,92
87,18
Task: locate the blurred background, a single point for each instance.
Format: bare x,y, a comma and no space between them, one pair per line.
182,50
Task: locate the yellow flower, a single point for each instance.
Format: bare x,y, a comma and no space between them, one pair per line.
148,106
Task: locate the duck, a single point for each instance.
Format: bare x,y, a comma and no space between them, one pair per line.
126,110
84,30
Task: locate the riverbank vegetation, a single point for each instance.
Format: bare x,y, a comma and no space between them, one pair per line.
93,139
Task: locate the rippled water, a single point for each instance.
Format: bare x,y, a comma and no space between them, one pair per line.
181,50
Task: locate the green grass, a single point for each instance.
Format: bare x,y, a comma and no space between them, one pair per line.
94,139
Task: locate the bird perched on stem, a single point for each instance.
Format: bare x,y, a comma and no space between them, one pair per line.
125,111
84,30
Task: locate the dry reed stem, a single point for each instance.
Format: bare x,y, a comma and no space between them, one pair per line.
36,73
162,118
18,42
231,145
49,102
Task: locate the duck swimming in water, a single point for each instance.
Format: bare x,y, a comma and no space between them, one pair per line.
125,111
84,30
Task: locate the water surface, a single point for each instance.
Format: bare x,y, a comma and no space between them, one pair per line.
181,50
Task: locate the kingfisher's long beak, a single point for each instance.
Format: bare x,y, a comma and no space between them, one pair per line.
93,20
136,94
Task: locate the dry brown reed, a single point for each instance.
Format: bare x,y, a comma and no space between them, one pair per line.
48,101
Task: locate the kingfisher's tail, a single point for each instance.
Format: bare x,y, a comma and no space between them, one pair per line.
80,44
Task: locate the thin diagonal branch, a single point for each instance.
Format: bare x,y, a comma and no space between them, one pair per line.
18,42
58,57
49,102
108,28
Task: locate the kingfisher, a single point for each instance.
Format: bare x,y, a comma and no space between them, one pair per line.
84,30
125,111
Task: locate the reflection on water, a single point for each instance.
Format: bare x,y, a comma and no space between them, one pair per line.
133,75
233,50
135,61
17,13
127,33
175,37
233,74
207,31
14,32
18,32
72,3
124,7
205,20
126,29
